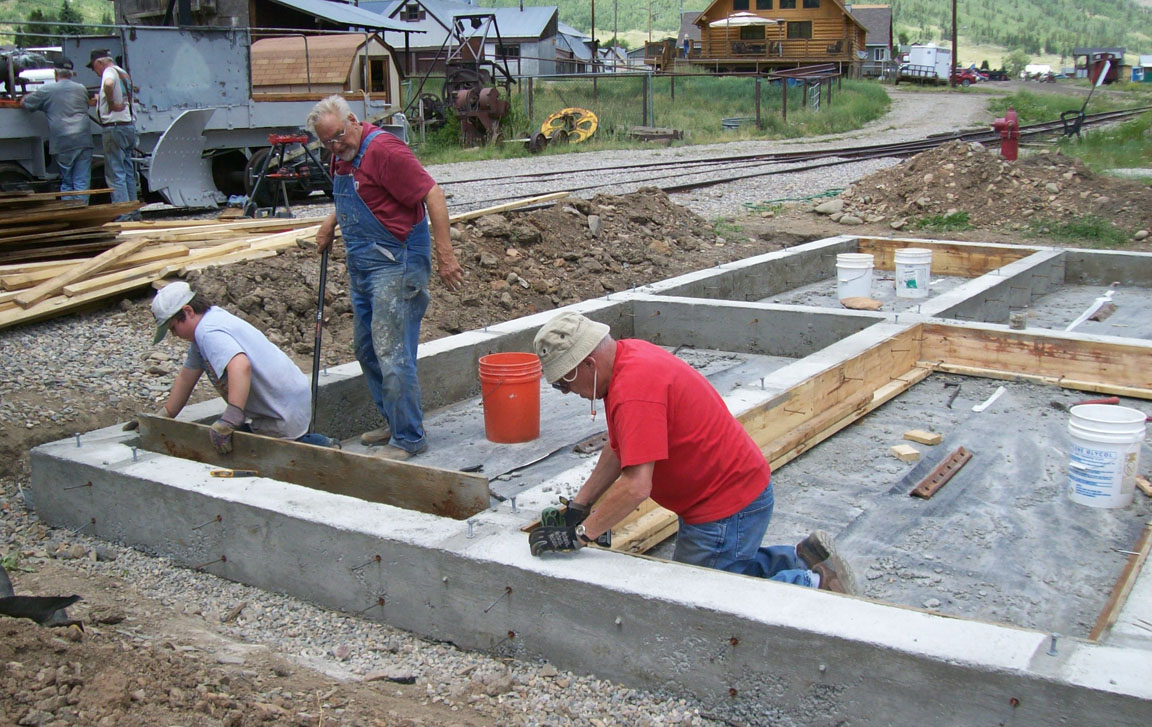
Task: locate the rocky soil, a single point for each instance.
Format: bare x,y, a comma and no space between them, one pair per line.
968,178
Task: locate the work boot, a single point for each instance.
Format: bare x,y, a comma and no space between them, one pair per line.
376,436
836,575
390,451
815,548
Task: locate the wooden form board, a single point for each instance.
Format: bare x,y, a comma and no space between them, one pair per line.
962,261
1123,586
1112,368
447,493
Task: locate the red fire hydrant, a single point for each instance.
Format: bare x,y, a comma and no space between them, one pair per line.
1009,128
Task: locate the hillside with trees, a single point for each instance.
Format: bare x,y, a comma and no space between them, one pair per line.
1033,26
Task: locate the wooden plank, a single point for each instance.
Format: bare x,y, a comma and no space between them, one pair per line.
447,493
948,258
120,276
46,236
1123,586
61,304
102,241
50,269
1092,365
78,272
236,257
8,231
204,254
7,197
87,215
868,371
551,197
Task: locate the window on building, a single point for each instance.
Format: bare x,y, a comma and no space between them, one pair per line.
763,4
801,29
412,12
787,4
879,54
811,4
752,32
739,4
508,51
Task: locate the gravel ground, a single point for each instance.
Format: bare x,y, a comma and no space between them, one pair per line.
111,352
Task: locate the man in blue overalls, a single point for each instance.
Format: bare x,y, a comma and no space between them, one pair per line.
381,192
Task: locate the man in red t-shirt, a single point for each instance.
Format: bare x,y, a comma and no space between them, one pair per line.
672,438
381,192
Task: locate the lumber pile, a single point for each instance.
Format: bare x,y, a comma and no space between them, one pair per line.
138,254
44,225
56,274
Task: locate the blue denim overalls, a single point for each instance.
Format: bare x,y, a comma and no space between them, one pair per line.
388,279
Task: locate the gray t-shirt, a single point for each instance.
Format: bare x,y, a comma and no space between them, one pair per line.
65,103
280,398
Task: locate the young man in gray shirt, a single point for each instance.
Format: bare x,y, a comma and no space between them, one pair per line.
265,391
65,103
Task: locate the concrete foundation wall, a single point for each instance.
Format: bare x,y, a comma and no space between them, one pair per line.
990,298
757,652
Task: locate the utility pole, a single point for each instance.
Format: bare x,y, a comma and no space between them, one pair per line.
615,25
649,21
955,53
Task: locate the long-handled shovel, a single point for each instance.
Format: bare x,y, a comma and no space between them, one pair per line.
319,333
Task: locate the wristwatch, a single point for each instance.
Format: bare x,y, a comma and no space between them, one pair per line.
580,533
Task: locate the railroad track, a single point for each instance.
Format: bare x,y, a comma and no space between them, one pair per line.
670,176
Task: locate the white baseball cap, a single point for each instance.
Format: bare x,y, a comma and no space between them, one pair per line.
167,303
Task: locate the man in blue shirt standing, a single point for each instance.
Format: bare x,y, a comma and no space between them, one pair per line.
65,103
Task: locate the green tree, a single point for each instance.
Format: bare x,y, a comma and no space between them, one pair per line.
1015,61
902,37
38,30
69,14
106,18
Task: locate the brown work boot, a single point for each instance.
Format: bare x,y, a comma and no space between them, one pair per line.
815,548
836,575
376,436
389,451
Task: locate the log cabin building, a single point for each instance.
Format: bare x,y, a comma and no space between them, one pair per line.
747,35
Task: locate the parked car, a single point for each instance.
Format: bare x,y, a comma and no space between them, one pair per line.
998,76
965,77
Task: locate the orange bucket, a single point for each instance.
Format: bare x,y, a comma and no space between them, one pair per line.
510,388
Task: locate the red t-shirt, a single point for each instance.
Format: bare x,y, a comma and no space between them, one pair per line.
662,410
390,181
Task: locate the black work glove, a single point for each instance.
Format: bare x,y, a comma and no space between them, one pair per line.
576,513
554,539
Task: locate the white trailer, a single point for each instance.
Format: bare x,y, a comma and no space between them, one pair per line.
927,63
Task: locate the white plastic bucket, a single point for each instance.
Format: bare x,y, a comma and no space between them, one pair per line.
853,275
913,270
1105,454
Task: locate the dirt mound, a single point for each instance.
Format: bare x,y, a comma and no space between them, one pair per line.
969,178
515,264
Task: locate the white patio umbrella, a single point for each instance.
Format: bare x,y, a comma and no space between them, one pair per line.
742,18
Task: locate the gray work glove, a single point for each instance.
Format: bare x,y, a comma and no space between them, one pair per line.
221,432
135,423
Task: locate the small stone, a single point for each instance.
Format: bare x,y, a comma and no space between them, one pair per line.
594,225
898,224
548,671
488,260
932,603
836,216
1052,187
1140,235
851,220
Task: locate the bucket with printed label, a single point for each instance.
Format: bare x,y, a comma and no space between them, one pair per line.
510,389
853,275
1104,456
913,272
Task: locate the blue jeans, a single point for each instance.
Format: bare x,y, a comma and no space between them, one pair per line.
733,545
311,438
75,171
388,285
119,171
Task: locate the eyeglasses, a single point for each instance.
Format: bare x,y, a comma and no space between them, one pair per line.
337,138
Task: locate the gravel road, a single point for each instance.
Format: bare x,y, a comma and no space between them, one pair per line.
109,353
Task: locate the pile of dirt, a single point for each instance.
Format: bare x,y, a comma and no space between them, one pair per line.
515,264
962,177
